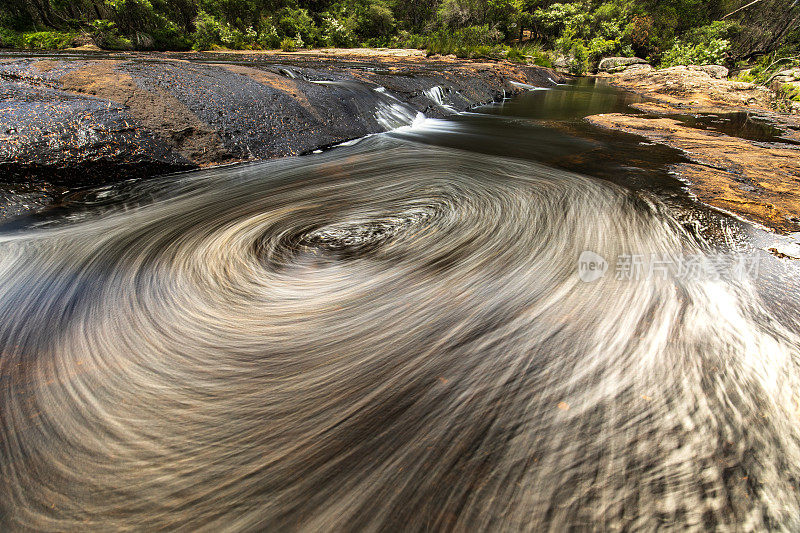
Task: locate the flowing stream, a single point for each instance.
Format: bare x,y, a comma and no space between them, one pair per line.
396,334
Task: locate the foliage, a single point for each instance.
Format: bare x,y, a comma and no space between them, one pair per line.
106,34
10,38
682,53
469,42
664,31
336,31
769,65
560,19
212,33
640,32
705,45
376,21
47,40
298,23
579,62
289,45
790,92
786,97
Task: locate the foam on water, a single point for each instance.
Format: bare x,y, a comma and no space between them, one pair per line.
386,336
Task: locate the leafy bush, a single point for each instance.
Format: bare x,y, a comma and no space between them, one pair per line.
10,39
336,32
769,65
376,21
705,45
554,20
641,37
472,41
166,36
786,98
208,32
599,48
530,54
267,35
791,92
289,45
537,55
516,55
298,24
47,40
211,33
681,53
405,39
579,63
106,35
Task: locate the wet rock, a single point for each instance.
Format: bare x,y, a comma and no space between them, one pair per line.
715,71
618,64
755,180
97,119
787,76
62,138
561,63
692,88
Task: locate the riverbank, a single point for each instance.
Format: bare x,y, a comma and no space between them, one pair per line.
742,156
81,118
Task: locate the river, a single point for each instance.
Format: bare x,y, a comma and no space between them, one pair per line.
502,320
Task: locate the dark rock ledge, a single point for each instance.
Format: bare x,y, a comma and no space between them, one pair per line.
68,121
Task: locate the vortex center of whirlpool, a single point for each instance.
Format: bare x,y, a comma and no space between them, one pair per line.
364,233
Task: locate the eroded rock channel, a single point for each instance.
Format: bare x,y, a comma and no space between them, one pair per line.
69,121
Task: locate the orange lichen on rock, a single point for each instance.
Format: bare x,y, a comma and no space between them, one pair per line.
758,181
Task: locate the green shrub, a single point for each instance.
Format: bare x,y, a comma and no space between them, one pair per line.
599,48
785,95
106,35
472,41
579,63
555,19
267,35
336,32
212,33
537,55
169,36
406,39
682,53
289,45
297,24
516,55
208,32
48,40
376,21
791,92
10,38
705,45
641,37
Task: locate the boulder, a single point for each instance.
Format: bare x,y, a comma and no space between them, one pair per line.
618,64
639,66
715,71
787,76
561,63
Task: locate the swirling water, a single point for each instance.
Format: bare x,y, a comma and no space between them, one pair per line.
393,335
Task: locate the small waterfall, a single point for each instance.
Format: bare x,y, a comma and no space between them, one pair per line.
391,113
437,95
